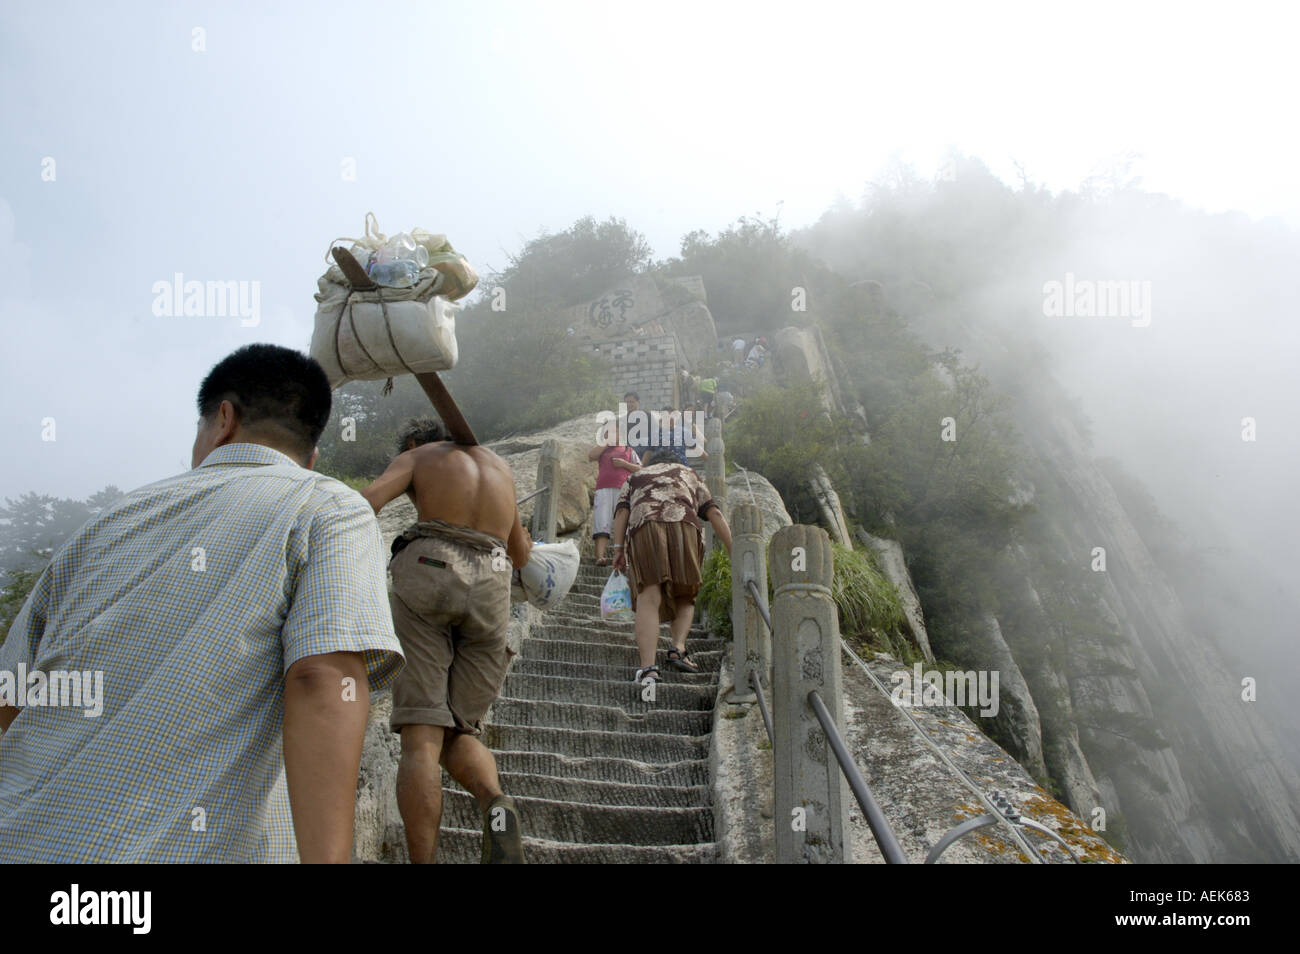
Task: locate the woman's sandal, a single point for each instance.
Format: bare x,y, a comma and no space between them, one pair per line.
649,672
681,659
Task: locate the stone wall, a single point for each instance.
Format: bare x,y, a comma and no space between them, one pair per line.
646,365
650,332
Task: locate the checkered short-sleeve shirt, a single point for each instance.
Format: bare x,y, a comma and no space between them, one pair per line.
191,597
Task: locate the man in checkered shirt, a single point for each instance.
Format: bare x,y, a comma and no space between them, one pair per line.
239,615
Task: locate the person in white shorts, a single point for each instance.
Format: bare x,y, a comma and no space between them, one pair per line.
615,463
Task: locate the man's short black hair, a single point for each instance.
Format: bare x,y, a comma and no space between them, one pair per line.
421,430
275,390
632,394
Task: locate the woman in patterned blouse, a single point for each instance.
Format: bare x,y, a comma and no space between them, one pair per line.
661,510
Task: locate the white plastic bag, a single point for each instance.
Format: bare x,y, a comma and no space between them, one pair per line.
548,576
616,599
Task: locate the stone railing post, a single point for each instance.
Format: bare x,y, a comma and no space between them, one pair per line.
715,470
811,798
546,509
715,466
751,647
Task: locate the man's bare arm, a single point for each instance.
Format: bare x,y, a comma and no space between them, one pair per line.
626,465
520,545
619,530
720,527
392,483
324,728
595,452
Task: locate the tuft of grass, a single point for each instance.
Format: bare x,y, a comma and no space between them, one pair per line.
715,592
868,604
867,601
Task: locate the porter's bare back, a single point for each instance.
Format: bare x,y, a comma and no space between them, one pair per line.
467,486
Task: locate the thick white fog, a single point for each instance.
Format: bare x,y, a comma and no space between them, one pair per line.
214,141
156,144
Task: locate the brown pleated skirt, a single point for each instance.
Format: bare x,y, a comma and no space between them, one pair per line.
669,554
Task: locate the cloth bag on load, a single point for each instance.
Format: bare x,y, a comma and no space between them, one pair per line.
375,334
548,576
616,598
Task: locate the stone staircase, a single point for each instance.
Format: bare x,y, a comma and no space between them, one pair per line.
599,775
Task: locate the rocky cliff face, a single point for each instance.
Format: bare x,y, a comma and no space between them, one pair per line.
799,355
1202,787
1139,716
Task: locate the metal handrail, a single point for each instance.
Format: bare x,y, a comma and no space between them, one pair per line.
983,821
884,835
527,497
758,602
754,680
762,705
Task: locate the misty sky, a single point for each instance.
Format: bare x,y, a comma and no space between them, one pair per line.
492,121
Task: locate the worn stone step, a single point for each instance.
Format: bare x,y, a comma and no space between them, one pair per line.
708,653
569,715
622,771
591,824
576,629
589,587
621,634
644,746
581,597
464,846
596,792
669,694
606,654
613,673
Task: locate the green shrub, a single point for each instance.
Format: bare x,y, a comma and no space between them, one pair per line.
18,584
782,433
715,592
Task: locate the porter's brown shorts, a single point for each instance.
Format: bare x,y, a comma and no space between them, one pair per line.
450,610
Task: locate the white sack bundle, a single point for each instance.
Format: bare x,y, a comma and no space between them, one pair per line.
379,333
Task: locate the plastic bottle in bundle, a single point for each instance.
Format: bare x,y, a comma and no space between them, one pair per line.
364,256
402,248
399,274
417,253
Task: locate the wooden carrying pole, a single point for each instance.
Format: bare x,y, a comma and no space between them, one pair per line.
458,428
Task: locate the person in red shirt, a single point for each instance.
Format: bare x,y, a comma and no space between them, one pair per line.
615,463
